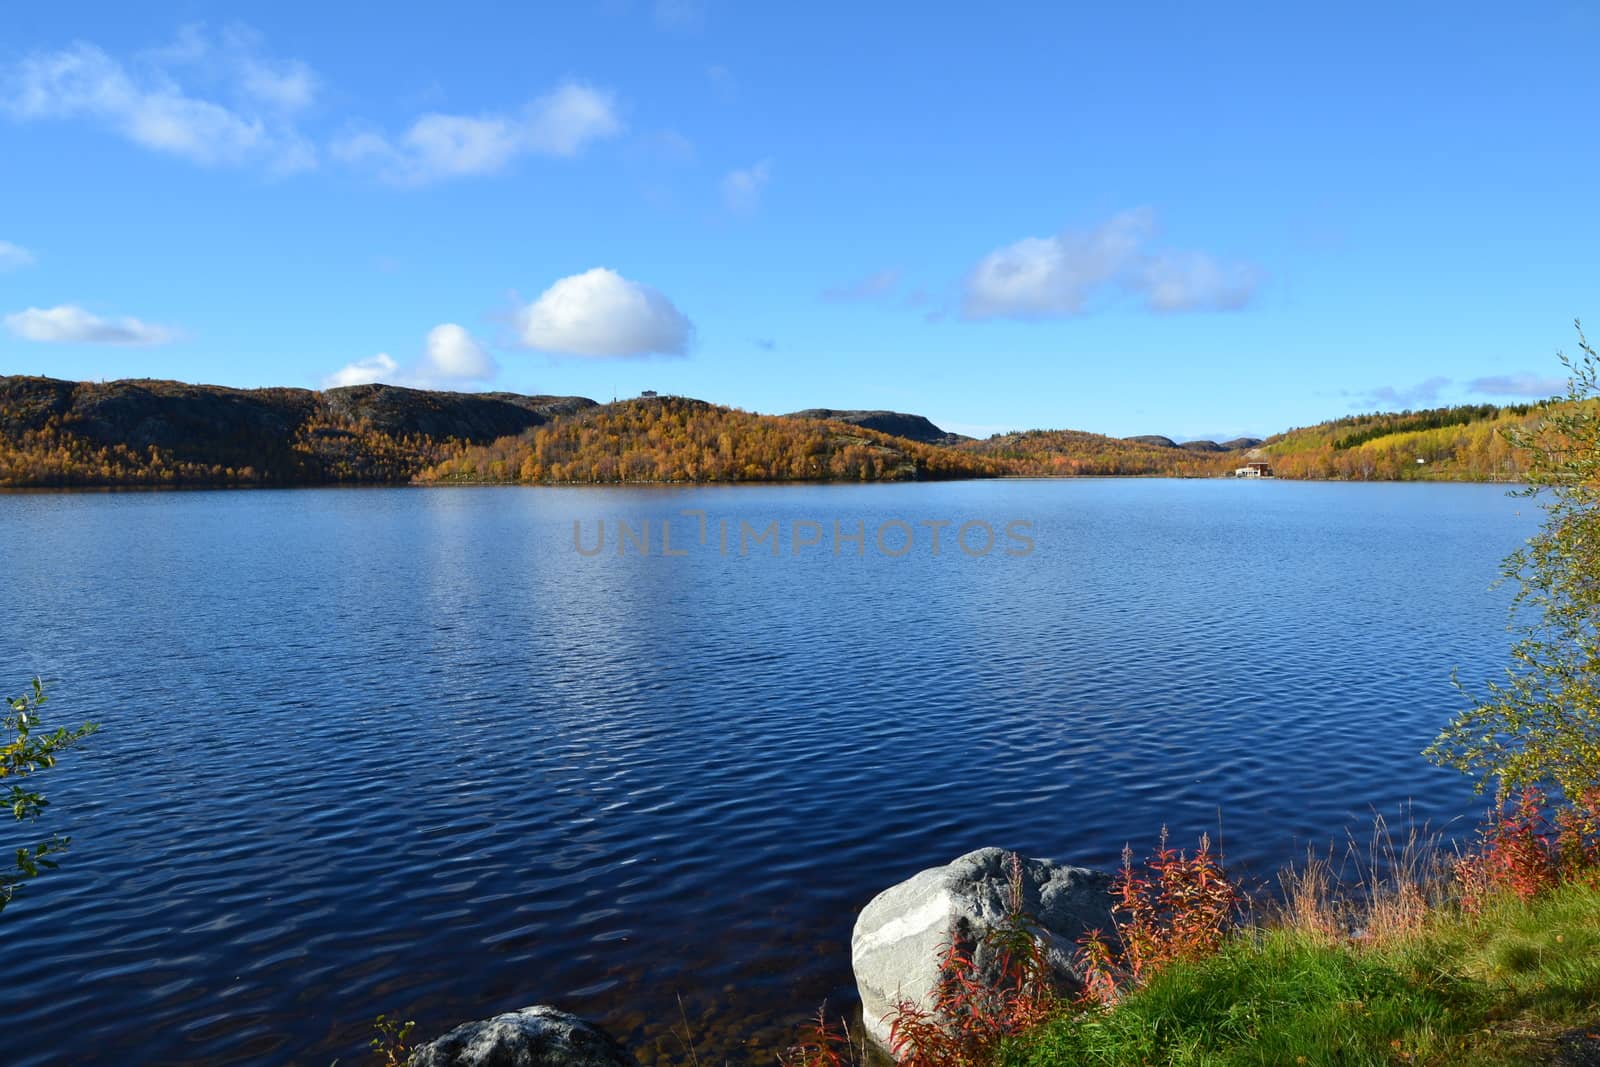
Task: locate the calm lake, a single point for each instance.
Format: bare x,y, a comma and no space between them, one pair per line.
408,751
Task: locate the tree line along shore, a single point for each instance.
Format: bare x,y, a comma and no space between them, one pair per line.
57,434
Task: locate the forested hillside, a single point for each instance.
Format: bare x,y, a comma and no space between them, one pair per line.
1042,453
675,439
59,433
1464,443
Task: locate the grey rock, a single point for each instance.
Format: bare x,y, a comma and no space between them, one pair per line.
539,1036
895,946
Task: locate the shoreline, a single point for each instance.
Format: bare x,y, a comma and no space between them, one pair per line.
475,484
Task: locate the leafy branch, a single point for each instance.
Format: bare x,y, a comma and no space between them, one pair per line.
26,751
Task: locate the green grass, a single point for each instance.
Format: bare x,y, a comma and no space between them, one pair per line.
1490,990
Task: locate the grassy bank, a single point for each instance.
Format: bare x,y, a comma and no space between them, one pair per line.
1495,988
1406,951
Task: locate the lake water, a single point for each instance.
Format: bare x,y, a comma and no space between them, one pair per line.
407,751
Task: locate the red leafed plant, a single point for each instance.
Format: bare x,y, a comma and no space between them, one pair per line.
1179,907
1523,850
820,1045
976,1007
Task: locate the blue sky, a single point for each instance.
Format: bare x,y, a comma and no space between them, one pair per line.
1185,219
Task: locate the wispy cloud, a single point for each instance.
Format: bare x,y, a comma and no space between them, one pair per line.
246,118
872,287
670,146
601,313
1518,385
14,256
561,123
742,189
680,14
1423,394
69,324
236,57
1061,275
722,81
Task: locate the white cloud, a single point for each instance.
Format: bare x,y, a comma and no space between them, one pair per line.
449,145
601,313
291,86
67,324
451,358
380,368
1195,281
1522,385
741,189
873,286
14,256
561,123
146,103
1040,277
564,122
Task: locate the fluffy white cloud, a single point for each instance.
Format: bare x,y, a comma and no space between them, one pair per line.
1039,277
451,358
451,355
146,103
741,189
380,368
1522,385
67,324
601,313
561,123
14,256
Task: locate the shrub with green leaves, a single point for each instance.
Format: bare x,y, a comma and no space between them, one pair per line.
27,750
1540,726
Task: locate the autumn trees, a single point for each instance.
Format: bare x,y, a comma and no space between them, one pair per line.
675,439
1467,443
169,434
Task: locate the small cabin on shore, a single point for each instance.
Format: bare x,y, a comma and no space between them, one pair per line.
1254,469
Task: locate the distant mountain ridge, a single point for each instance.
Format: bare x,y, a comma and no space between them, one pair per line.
1238,444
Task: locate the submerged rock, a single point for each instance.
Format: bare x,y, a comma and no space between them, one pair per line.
894,949
539,1036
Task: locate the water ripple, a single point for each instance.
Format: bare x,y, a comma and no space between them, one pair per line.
405,752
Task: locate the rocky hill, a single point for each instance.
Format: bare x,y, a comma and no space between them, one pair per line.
55,432
894,423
